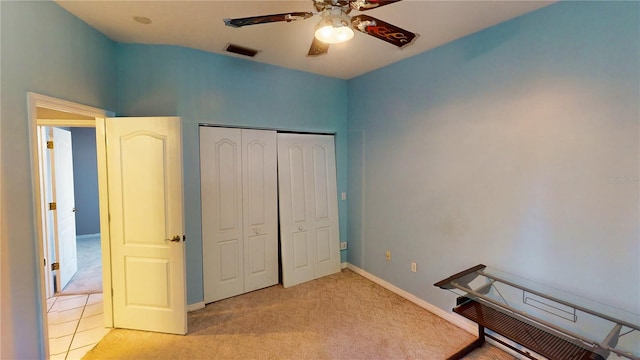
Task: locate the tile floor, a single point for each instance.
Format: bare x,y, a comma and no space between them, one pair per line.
75,325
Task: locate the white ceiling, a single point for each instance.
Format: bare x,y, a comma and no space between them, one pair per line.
199,25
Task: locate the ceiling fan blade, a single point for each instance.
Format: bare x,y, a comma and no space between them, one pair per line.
363,5
318,48
383,31
288,17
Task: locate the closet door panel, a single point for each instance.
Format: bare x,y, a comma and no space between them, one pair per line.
260,208
323,237
228,253
222,230
301,251
298,181
296,240
321,180
257,255
227,190
310,243
325,209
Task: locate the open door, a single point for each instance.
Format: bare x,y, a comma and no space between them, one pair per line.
47,216
144,165
63,206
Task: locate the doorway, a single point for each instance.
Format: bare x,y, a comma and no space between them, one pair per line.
130,300
70,182
46,112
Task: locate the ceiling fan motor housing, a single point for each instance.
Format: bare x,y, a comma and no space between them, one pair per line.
335,17
322,5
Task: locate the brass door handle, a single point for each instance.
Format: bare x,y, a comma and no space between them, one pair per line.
175,238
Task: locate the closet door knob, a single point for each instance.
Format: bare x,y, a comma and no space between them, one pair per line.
300,228
257,231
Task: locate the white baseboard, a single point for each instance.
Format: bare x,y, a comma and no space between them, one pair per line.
456,320
343,265
196,306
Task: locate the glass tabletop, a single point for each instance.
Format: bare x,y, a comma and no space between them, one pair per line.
611,331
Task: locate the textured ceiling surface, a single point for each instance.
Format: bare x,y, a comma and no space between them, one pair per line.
199,25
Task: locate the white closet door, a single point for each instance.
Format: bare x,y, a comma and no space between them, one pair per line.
325,205
308,207
296,243
221,189
260,206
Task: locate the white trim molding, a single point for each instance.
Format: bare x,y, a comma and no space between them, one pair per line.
35,99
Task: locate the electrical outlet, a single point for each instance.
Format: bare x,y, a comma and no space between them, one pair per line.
388,255
343,246
414,266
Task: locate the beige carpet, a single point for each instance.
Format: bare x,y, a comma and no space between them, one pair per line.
88,278
342,316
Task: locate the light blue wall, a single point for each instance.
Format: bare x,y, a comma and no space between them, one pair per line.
48,51
205,88
85,180
516,147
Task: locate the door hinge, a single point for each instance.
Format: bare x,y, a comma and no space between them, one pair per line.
55,266
49,144
53,206
45,262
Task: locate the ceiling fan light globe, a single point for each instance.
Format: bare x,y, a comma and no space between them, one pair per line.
334,27
334,35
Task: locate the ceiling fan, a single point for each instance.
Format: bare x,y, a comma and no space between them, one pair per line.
336,25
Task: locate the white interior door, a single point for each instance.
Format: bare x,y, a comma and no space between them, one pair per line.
297,244
48,236
221,191
238,170
64,217
260,208
310,244
144,164
325,205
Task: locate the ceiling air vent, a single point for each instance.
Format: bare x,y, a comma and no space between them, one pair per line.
241,50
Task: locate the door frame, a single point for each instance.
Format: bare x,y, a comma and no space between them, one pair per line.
35,101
